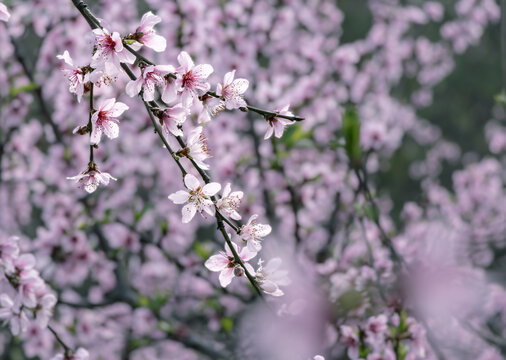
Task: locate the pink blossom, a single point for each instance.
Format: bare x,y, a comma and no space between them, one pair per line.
145,34
4,13
76,76
151,76
91,178
224,262
196,147
252,233
232,91
277,124
230,202
109,53
9,250
350,339
44,309
80,354
172,118
11,313
104,120
198,197
270,277
192,80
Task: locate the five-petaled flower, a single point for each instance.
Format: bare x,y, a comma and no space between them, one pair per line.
145,34
151,76
277,124
80,354
171,118
232,91
104,120
110,52
252,233
230,202
192,79
225,263
198,197
196,148
91,178
76,75
12,313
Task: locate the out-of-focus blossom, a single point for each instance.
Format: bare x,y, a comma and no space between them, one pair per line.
270,277
224,262
9,250
80,354
232,91
105,120
44,309
4,13
253,232
198,197
276,124
230,202
11,313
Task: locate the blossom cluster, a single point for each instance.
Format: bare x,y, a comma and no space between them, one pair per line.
130,276
31,299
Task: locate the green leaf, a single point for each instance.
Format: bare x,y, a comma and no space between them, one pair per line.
351,132
500,98
202,250
402,351
350,300
227,324
295,135
28,87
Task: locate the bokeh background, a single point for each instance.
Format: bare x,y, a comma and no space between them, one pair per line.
424,80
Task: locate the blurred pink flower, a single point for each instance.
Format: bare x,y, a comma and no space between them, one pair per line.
4,13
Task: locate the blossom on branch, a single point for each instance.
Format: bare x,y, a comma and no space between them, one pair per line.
171,118
76,76
151,76
80,354
91,178
146,35
232,91
277,124
225,263
230,202
252,233
198,197
196,148
11,312
104,120
110,52
192,79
